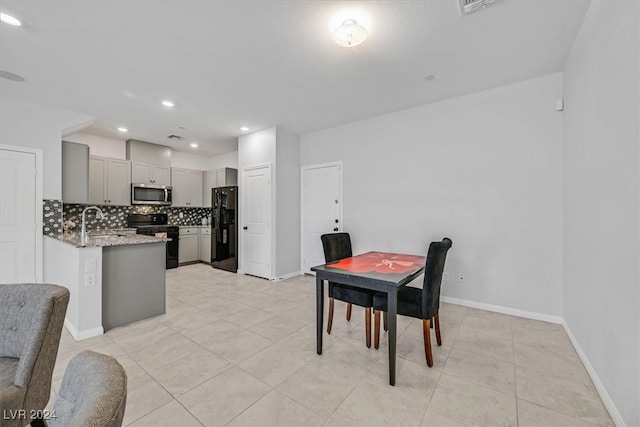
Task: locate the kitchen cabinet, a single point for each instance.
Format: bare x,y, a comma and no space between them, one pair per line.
187,187
145,173
109,181
75,173
221,177
188,248
205,244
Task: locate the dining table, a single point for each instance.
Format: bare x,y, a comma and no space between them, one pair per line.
378,271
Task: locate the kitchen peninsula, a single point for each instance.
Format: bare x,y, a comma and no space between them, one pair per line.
116,278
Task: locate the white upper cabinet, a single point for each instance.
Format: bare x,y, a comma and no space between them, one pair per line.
187,187
109,181
146,173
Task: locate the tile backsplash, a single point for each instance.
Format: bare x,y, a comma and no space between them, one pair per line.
55,213
51,217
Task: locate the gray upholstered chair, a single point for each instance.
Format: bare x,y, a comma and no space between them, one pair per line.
31,319
93,392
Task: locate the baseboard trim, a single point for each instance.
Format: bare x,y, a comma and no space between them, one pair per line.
504,310
287,276
600,388
82,335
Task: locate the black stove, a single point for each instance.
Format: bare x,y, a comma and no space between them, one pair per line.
156,225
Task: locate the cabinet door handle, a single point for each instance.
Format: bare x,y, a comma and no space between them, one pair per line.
245,228
335,229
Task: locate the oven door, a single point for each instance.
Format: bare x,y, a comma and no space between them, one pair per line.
145,194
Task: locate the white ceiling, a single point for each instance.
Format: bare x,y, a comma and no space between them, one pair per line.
264,63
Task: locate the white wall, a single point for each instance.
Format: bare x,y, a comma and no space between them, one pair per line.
601,202
180,159
228,160
287,202
117,148
100,146
483,169
36,126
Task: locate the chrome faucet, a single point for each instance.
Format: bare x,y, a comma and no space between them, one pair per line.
84,234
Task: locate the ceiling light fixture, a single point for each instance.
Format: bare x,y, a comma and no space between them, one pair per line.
194,145
350,33
11,20
123,130
244,128
167,103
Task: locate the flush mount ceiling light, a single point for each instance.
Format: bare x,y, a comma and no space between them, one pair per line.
244,128
123,130
167,103
350,33
10,20
194,145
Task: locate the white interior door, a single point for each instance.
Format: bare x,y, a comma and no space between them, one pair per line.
19,224
256,227
321,209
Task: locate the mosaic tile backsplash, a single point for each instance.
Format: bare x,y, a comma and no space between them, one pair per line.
116,216
52,217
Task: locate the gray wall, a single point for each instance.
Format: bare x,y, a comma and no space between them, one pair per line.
484,169
602,198
287,202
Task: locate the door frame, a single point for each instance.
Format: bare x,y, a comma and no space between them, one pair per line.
38,199
272,223
303,169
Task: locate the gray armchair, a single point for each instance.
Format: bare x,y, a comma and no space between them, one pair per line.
31,319
93,392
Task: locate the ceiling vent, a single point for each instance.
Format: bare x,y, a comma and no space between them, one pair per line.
174,136
471,6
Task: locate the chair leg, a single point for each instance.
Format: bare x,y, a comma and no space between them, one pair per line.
426,331
436,320
376,329
367,326
348,311
330,320
386,325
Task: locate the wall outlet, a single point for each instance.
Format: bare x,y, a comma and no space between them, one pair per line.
90,265
89,280
445,276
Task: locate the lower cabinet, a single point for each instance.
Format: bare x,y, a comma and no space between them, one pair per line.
188,250
205,244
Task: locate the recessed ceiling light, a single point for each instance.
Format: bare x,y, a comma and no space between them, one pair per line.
244,128
194,145
167,103
11,20
123,130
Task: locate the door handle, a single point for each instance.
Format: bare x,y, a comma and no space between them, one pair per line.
245,228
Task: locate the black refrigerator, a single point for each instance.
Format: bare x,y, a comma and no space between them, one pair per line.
224,235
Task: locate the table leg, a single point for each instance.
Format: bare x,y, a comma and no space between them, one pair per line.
319,312
392,311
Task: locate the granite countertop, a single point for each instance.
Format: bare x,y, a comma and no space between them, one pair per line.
114,237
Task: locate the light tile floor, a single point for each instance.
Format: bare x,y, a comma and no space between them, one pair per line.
240,351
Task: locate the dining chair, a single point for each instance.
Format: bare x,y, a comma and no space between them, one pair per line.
337,246
419,303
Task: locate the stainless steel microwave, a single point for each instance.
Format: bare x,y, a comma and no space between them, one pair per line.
151,194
